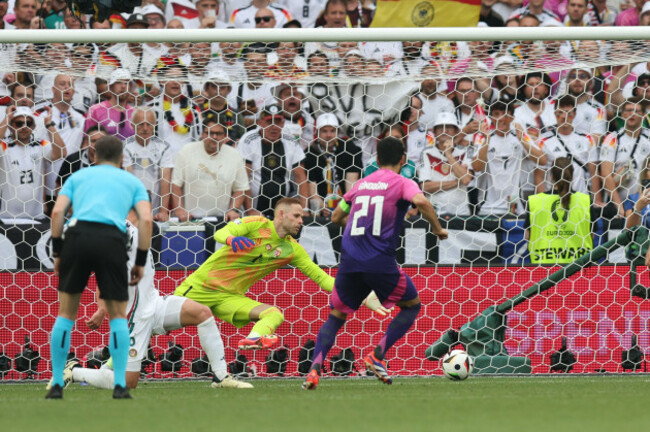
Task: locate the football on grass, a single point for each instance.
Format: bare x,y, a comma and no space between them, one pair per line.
457,365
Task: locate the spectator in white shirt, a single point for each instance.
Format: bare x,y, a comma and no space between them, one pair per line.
21,167
179,120
434,100
209,178
273,160
444,168
149,158
254,94
245,17
305,11
622,154
500,155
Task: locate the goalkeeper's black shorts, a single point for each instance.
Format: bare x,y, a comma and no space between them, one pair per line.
94,247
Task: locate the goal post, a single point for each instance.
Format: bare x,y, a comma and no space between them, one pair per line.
443,91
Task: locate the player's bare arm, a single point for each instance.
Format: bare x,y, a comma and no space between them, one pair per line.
429,213
145,226
58,219
95,321
340,217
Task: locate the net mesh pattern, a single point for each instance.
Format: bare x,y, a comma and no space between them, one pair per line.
483,123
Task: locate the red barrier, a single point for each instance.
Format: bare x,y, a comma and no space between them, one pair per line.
593,309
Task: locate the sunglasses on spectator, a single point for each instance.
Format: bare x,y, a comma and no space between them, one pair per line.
263,18
582,76
19,123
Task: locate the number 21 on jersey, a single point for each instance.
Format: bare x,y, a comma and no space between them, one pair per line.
365,202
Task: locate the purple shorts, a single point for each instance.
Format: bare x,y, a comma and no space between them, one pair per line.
351,289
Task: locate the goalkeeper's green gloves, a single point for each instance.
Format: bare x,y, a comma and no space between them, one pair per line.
373,303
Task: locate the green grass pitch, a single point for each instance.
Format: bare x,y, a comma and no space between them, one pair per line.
563,403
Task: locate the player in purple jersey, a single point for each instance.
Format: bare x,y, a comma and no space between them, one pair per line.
373,214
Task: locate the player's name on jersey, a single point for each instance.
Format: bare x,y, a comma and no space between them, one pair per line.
373,186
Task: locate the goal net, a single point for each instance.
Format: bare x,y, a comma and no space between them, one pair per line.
487,127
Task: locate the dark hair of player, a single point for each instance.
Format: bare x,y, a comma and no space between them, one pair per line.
389,152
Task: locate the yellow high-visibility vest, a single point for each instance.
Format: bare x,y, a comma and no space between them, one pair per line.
558,236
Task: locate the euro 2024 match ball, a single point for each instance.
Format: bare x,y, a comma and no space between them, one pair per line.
457,365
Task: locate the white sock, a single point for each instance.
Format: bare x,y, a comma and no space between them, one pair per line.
212,344
100,378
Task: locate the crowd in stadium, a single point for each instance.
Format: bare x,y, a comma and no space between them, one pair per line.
227,128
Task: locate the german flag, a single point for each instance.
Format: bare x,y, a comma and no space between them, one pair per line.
109,60
419,13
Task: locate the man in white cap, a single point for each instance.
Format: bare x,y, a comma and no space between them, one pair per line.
155,17
22,167
444,167
590,116
332,164
156,21
114,114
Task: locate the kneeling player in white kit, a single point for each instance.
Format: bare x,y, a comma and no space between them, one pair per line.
150,313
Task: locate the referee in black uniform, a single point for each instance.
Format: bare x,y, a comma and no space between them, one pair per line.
101,196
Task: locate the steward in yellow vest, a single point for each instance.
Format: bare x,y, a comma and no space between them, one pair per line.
559,223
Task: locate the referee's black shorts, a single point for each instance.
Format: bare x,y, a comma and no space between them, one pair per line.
95,247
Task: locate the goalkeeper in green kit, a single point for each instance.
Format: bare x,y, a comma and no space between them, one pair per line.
255,247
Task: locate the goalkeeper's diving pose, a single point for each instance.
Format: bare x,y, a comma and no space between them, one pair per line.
255,247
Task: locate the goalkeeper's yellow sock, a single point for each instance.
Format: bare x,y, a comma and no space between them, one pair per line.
270,319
